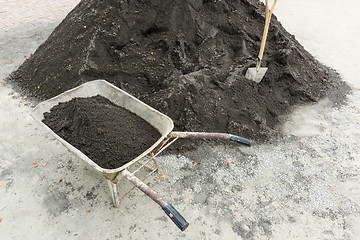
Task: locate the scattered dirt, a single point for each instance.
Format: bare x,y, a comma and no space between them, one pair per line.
108,134
185,58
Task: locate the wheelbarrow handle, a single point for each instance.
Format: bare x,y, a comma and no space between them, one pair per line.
174,215
211,135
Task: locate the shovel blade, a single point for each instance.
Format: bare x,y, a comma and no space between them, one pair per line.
254,75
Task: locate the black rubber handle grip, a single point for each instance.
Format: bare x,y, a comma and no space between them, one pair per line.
175,216
241,140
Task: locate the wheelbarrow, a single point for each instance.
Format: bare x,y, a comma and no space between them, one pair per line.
158,120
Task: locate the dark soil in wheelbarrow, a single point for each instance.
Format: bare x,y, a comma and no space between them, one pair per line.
108,134
186,58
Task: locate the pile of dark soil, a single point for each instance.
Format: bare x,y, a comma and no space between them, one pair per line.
108,134
186,58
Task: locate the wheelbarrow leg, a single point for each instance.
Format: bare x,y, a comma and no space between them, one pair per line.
113,192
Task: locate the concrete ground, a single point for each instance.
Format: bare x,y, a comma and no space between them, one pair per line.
304,185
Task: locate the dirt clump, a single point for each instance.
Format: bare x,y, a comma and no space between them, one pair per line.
185,58
108,134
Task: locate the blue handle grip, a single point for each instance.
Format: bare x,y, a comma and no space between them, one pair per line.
175,216
240,140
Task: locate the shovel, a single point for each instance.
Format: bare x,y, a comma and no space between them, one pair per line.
257,73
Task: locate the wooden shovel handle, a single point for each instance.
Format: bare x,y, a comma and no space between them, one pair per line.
266,29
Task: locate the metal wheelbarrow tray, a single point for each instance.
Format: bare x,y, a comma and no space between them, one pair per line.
158,120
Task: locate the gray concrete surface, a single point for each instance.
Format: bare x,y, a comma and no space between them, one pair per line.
32,12
304,185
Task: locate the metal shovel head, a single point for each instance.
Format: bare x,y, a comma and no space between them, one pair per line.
254,75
